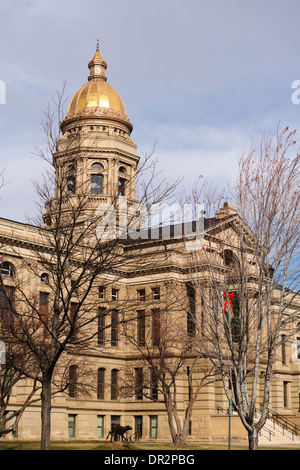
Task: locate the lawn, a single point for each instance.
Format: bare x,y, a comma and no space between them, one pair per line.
132,446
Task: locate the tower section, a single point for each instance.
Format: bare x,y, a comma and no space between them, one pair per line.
96,158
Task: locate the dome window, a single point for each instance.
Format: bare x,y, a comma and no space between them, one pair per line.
71,185
44,278
97,184
7,269
97,166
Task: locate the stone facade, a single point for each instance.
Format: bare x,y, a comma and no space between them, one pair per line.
98,154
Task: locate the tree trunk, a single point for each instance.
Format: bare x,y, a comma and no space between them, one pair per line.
253,439
46,413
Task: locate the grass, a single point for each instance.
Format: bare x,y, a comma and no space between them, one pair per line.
133,446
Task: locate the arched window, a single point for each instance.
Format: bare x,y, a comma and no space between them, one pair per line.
122,169
97,166
101,383
72,381
7,269
97,184
44,278
114,384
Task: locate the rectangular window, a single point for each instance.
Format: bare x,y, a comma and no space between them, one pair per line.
141,328
138,427
114,384
101,326
43,306
114,295
154,385
141,295
121,187
101,383
100,426
298,348
114,328
283,350
73,315
285,394
153,427
102,292
155,327
5,309
139,383
97,184
72,381
156,293
72,425
191,314
115,419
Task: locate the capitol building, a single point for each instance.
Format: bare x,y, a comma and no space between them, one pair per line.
137,309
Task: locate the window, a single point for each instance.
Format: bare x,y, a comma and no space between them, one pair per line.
97,166
285,394
122,169
114,384
115,295
73,315
298,348
7,269
100,426
138,383
71,425
5,308
72,381
101,383
101,326
283,350
138,427
43,307
232,309
156,293
44,278
191,314
154,385
121,187
115,419
155,327
153,427
114,328
97,184
141,328
102,292
71,185
141,295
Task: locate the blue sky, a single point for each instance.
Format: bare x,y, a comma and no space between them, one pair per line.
204,79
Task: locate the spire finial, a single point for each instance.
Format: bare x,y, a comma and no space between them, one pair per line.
97,65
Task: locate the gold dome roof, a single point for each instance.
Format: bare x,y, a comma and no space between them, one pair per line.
96,97
96,94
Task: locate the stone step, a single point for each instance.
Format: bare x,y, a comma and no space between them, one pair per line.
273,433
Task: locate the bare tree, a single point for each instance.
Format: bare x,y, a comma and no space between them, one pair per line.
163,365
72,258
247,276
16,362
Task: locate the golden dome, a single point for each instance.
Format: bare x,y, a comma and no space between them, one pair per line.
96,94
97,98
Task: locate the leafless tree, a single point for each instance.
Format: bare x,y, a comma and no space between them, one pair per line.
72,259
164,367
247,276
